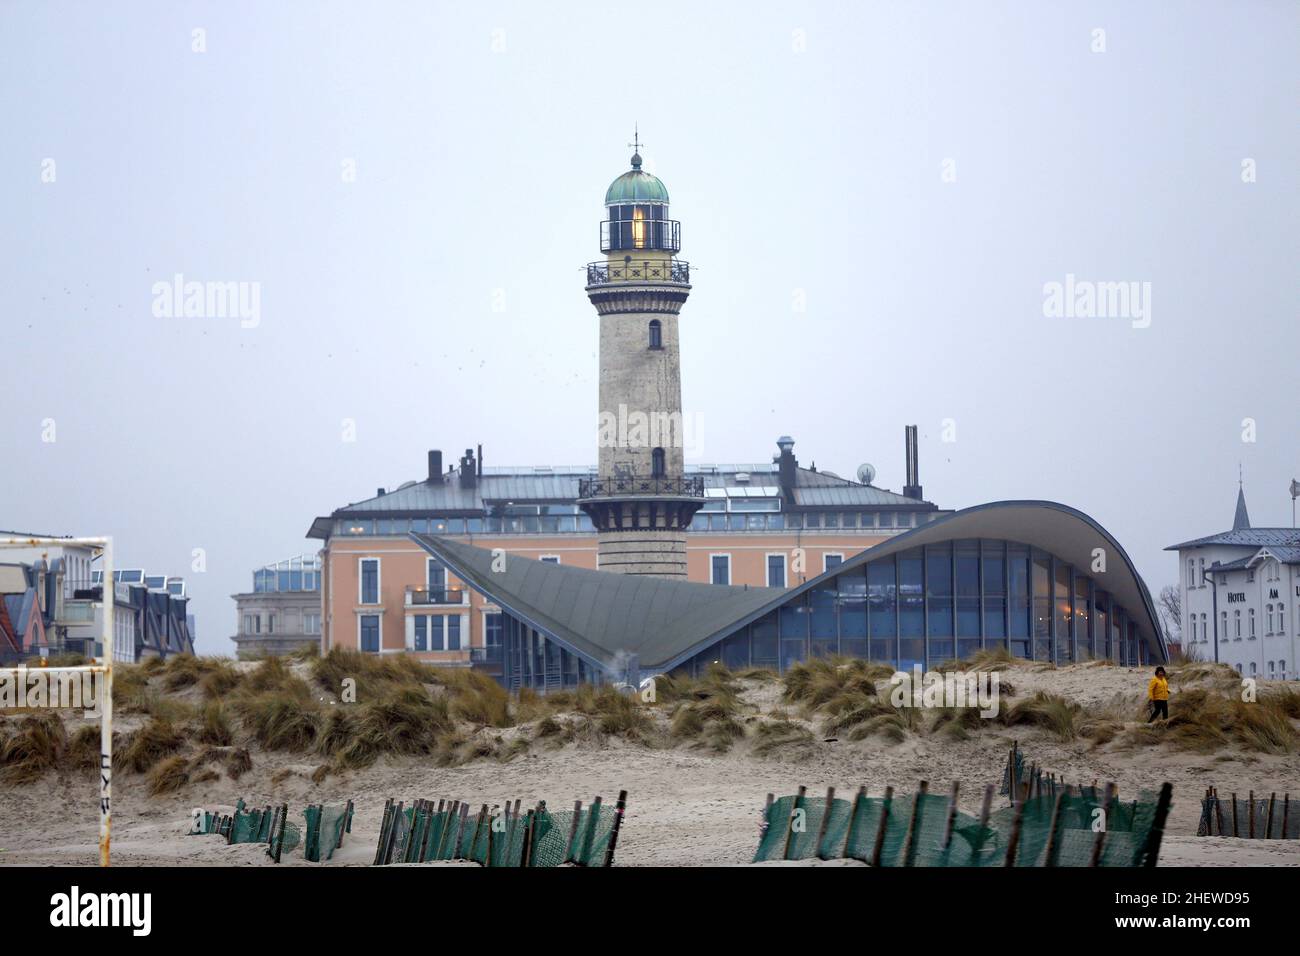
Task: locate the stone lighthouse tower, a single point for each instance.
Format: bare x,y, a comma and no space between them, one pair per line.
642,501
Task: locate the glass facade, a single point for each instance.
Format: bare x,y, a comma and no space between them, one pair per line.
754,515
300,573
929,605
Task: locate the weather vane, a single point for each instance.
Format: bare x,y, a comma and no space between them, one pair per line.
636,143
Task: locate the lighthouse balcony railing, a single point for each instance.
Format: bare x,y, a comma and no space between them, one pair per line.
685,486
639,270
640,235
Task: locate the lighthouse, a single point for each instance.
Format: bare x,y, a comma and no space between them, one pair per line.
641,500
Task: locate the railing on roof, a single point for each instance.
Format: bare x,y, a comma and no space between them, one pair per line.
686,486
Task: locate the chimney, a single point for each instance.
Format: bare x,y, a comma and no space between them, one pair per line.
435,467
912,489
468,475
786,467
379,492
480,461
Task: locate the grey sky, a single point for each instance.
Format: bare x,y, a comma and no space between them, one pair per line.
481,168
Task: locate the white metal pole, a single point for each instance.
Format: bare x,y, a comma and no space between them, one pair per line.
106,722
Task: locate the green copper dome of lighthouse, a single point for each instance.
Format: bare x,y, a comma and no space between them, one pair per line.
636,185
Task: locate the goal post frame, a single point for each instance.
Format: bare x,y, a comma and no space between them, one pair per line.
107,633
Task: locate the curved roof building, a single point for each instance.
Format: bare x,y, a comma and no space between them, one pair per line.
1037,577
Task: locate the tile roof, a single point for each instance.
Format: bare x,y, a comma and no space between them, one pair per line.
1245,538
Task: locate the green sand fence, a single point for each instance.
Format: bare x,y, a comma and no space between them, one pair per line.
320,834
1256,818
496,836
926,829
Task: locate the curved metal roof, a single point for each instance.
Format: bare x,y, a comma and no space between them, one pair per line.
636,185
605,616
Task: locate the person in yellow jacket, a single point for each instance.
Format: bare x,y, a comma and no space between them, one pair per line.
1158,694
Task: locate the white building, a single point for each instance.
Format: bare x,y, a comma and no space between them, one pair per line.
1240,594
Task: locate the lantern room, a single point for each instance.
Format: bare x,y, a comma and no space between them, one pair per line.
637,203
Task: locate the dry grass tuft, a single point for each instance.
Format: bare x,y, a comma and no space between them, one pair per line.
782,738
1053,713
168,775
36,748
147,746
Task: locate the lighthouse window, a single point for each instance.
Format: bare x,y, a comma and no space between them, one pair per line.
657,463
656,334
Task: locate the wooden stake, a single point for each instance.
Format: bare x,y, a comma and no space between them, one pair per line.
619,809
789,825
1252,814
589,837
1100,839
913,825
853,815
1268,827
952,816
572,845
1234,815
1152,851
1013,839
1286,810
826,819
1053,844
880,830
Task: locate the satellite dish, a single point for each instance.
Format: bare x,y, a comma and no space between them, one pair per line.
866,473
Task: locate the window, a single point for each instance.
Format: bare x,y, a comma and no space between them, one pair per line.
369,580
1200,578
1251,615
1223,625
1250,575
1268,621
1281,618
270,623
250,624
657,468
493,629
720,568
369,628
311,622
453,633
421,633
776,570
831,561
435,577
1236,621
1191,573
1205,634
656,334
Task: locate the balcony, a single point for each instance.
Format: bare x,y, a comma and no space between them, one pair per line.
633,235
436,597
639,271
685,486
